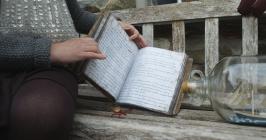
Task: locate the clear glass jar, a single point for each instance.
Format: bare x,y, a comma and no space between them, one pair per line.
236,88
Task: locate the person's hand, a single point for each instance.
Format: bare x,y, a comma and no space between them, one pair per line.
134,34
74,50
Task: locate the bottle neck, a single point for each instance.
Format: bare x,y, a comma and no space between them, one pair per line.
198,87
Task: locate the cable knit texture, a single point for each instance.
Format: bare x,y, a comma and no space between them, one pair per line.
24,51
26,37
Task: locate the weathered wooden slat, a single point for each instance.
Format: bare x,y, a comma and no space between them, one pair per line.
211,43
250,36
91,98
103,104
180,11
89,90
178,33
211,56
102,126
185,114
94,105
141,3
148,33
147,29
250,48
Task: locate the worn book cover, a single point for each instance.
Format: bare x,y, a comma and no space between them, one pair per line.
149,78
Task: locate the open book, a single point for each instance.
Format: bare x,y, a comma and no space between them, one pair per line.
149,78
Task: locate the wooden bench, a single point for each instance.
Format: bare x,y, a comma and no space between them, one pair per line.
93,119
188,125
208,10
177,14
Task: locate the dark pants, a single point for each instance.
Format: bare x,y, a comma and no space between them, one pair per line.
38,105
252,7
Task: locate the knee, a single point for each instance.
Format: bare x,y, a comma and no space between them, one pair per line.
41,106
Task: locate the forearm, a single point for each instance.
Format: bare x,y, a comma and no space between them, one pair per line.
23,51
83,20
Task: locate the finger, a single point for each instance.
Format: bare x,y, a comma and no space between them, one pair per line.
98,51
88,40
90,45
94,48
92,55
141,42
125,25
135,35
128,28
95,51
141,45
90,48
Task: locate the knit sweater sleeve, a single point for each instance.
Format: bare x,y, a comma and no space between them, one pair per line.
82,19
24,51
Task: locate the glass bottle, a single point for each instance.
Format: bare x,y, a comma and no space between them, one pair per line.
236,88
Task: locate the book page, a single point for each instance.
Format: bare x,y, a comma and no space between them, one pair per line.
153,79
110,74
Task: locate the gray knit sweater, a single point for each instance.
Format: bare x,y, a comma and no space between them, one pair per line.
28,48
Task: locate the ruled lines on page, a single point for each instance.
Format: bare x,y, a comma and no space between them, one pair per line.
110,74
153,79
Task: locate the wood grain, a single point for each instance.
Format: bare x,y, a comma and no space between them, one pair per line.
99,125
180,11
148,33
179,36
211,43
250,36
